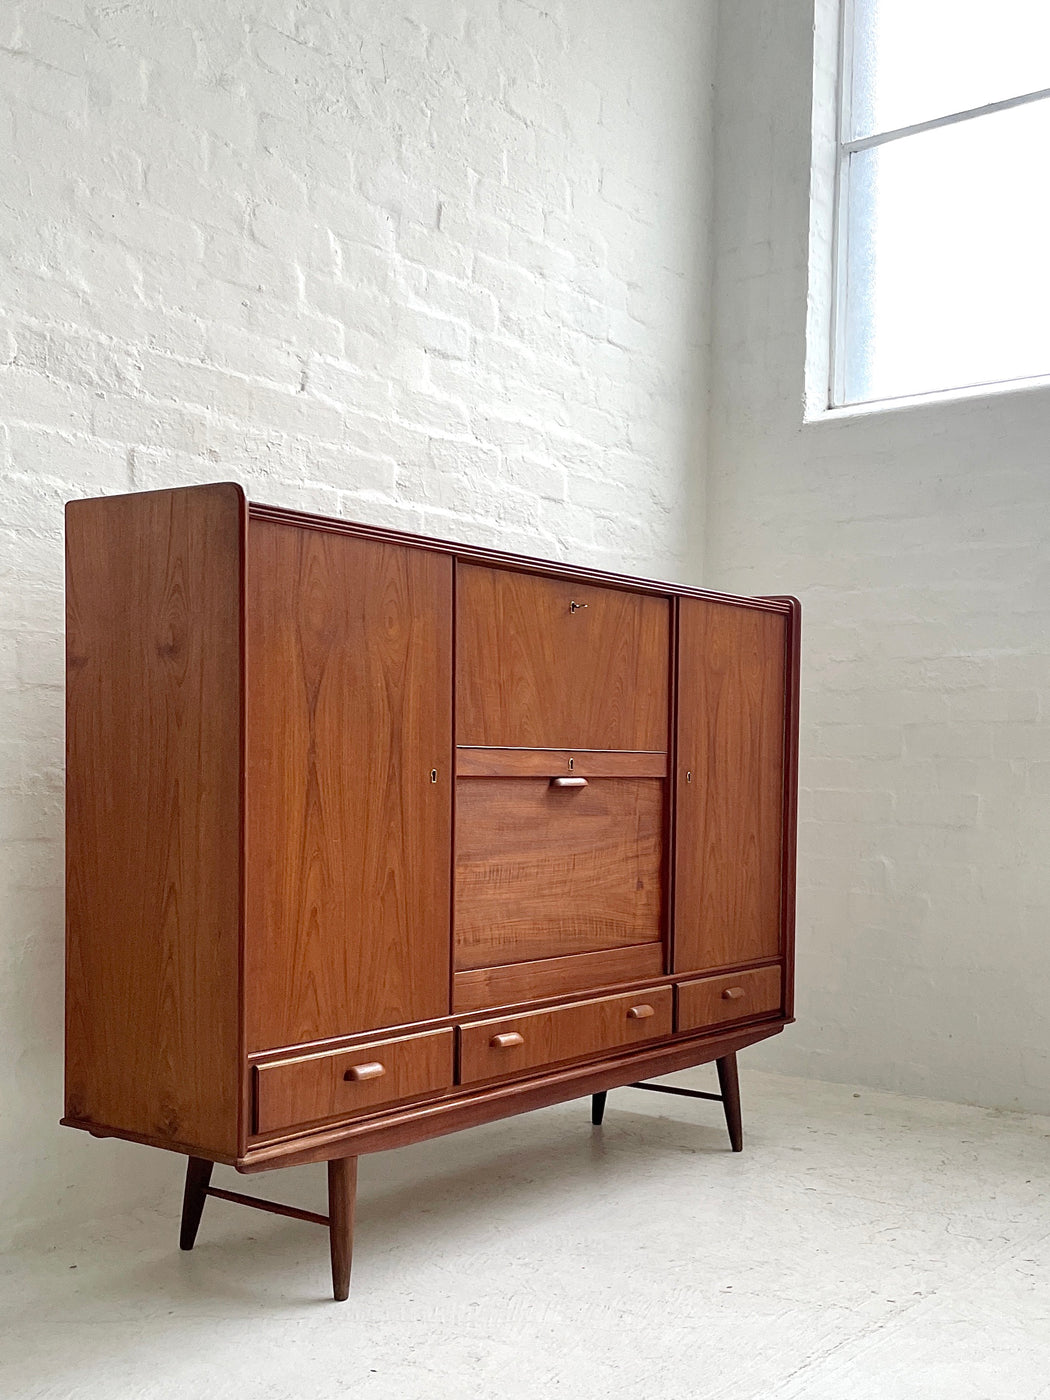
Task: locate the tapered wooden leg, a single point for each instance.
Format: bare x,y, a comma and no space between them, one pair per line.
729,1084
342,1193
598,1107
198,1174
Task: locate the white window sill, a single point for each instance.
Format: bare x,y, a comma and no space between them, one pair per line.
878,407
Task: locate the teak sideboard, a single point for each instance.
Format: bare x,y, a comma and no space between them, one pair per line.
372,837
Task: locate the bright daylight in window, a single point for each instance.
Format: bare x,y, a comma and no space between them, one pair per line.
943,230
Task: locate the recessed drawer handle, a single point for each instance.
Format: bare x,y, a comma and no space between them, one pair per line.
568,782
373,1070
507,1041
732,994
640,1013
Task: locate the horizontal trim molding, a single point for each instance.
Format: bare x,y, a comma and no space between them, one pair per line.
498,559
479,762
474,1107
493,988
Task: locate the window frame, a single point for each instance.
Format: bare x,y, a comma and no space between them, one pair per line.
845,148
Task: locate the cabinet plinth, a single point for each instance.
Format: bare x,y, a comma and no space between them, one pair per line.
373,837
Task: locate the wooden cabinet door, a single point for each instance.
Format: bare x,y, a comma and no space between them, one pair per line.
730,777
546,872
551,663
348,715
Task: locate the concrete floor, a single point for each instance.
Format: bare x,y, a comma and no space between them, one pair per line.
864,1245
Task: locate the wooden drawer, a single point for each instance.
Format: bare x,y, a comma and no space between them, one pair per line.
714,1000
554,663
517,1044
314,1087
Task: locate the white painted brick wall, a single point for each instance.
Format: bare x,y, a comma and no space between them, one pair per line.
440,264
918,541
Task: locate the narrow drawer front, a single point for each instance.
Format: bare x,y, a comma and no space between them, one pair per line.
714,1000
517,1044
340,1083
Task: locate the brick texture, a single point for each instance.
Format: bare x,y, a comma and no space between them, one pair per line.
439,264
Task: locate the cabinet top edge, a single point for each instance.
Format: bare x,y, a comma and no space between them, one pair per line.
467,553
228,491
503,559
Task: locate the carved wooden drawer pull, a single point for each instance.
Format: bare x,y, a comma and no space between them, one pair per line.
372,1070
507,1041
732,994
640,1013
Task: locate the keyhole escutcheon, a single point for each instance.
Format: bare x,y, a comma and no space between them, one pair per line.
575,607
433,775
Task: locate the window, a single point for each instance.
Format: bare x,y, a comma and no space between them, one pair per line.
942,259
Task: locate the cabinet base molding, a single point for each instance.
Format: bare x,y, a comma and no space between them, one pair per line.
419,1122
425,1121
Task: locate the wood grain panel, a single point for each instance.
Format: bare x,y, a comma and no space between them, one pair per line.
543,872
349,700
517,1044
486,987
153,814
729,784
549,763
314,1087
713,1001
532,672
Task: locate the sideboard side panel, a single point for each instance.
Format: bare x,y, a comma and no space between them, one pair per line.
349,710
153,588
